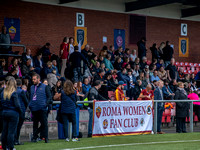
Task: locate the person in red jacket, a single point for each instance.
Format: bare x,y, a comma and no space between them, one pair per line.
147,94
64,52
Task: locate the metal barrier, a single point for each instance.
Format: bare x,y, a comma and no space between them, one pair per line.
156,109
14,45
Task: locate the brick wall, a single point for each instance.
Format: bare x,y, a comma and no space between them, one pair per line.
45,23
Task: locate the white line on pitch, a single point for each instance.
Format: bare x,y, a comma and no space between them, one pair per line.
131,144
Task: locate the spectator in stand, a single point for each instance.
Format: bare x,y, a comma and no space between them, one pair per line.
48,69
75,61
5,39
158,95
155,76
51,78
168,52
159,64
171,69
99,76
181,74
192,77
147,94
78,91
96,68
119,93
143,63
27,69
103,67
111,52
64,52
94,60
142,48
133,56
160,50
86,86
154,51
194,96
108,63
162,74
182,109
125,62
68,107
71,45
153,63
122,76
131,83
92,53
127,53
103,51
168,94
147,78
11,109
173,85
118,64
26,56
136,71
23,100
14,63
119,53
54,66
86,52
187,78
57,88
39,64
13,73
137,89
45,50
110,82
2,67
93,95
39,100
137,61
141,77
146,69
101,58
152,68
194,86
154,84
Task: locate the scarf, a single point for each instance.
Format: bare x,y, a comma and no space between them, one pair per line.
182,90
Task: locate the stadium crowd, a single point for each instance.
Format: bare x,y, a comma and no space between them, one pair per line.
82,75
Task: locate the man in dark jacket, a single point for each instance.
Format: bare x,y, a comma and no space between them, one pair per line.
142,48
93,95
168,52
27,69
23,103
158,95
135,92
40,98
75,61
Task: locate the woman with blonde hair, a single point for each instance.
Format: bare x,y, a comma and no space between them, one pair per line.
68,106
11,109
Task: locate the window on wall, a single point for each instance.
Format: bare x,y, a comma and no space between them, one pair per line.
137,28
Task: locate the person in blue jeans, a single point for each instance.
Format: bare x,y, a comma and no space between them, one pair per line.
11,110
68,107
93,95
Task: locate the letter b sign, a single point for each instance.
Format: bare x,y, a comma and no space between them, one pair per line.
80,22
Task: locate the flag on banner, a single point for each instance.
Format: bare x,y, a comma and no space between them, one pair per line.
183,47
80,37
122,118
119,38
13,28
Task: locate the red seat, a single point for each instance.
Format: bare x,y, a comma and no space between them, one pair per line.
186,64
199,65
195,72
182,64
189,72
163,119
196,118
191,64
185,71
197,69
184,68
195,64
177,64
188,68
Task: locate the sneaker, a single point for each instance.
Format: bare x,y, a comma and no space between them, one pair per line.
67,139
75,140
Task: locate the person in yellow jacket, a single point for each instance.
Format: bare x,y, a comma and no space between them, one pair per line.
119,94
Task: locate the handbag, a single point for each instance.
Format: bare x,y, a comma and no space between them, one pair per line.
59,115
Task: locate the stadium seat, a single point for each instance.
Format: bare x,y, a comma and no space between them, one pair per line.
195,72
195,64
188,68
189,72
186,64
197,69
185,71
184,68
195,118
199,65
191,64
177,64
182,64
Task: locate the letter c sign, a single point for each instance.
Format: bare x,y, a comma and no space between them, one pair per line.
80,20
183,29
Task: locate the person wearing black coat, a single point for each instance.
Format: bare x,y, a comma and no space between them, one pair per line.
182,108
11,110
136,90
154,51
168,53
141,48
68,107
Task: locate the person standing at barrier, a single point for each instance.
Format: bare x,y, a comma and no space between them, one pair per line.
158,95
23,103
11,110
182,108
68,107
119,93
40,98
93,95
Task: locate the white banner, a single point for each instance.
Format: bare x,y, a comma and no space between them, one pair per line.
122,118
